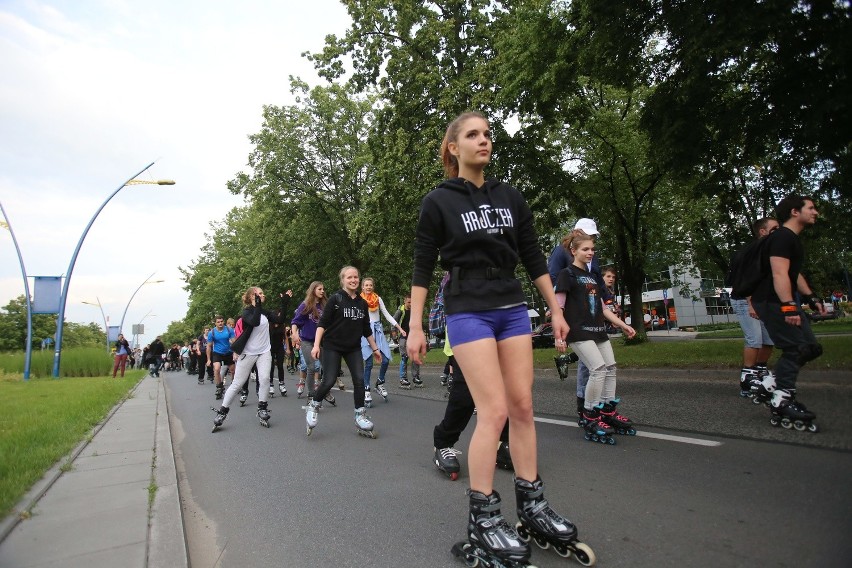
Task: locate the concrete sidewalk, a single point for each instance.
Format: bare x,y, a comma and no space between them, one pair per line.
97,513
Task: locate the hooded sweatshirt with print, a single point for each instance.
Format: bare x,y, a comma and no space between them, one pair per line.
477,228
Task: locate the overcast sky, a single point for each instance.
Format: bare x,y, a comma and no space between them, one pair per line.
93,91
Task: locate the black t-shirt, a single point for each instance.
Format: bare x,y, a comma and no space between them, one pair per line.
583,307
783,243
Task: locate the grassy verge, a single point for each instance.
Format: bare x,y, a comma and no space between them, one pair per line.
843,325
697,354
44,419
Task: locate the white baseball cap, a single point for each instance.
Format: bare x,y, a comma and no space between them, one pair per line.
588,226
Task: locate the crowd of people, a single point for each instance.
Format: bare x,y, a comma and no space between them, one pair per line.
479,230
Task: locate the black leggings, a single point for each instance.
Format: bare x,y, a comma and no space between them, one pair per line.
459,412
277,365
330,361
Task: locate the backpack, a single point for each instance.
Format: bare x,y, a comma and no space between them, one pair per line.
437,317
749,267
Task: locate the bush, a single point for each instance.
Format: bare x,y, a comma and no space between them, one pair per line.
75,362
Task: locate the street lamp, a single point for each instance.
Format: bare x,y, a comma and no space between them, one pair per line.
60,320
106,322
29,348
147,281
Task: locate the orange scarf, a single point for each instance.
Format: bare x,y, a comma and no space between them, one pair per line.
372,300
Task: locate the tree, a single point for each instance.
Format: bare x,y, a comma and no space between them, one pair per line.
13,326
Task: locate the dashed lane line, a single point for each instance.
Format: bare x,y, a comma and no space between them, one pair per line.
667,437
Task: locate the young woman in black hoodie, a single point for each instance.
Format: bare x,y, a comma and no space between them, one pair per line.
482,229
344,321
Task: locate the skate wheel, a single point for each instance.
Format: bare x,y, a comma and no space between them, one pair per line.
631,432
799,425
584,554
774,421
541,543
309,430
812,427
562,551
786,424
610,441
523,534
756,400
454,475
215,428
465,552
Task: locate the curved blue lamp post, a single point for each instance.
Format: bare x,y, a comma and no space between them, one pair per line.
57,354
29,349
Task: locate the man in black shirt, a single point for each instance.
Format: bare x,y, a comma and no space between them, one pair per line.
775,302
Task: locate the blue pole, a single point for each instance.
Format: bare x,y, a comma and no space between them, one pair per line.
121,325
29,350
60,321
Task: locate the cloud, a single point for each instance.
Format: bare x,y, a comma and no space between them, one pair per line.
91,92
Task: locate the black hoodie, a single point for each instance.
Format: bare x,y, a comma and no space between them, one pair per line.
476,228
345,320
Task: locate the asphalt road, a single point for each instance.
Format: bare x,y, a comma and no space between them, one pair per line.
707,482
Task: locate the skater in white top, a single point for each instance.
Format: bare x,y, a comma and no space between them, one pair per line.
376,306
253,347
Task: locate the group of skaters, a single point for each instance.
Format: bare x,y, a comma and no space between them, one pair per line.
479,230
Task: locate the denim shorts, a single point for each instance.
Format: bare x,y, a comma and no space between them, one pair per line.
754,331
498,324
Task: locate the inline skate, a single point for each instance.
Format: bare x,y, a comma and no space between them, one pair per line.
788,413
282,388
363,423
491,541
404,384
329,398
243,399
418,382
621,424
444,379
219,419
263,413
446,460
596,429
762,390
271,390
562,361
748,378
368,398
300,389
380,388
581,406
220,391
311,416
504,458
543,525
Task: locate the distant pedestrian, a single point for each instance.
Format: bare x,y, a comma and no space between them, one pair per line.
377,309
122,352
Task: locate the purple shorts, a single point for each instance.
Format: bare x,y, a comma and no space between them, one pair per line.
498,324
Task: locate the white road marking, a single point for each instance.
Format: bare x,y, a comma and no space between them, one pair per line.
668,437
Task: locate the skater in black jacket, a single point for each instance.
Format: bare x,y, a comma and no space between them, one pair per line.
482,229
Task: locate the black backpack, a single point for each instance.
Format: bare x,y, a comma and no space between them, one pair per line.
749,267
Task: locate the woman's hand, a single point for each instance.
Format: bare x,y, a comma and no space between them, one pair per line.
377,356
629,331
416,345
315,352
560,330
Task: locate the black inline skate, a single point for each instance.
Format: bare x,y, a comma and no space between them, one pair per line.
581,406
492,542
383,392
543,525
404,384
329,398
596,429
748,378
621,424
788,413
263,413
504,458
219,419
220,391
447,461
562,361
418,383
762,391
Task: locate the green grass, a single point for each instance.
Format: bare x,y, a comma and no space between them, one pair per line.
44,419
842,325
699,354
